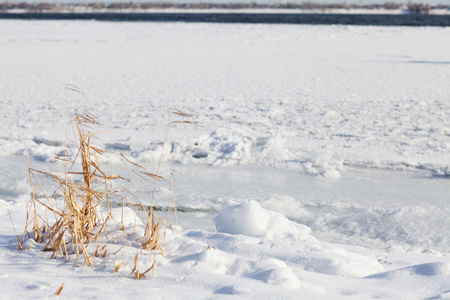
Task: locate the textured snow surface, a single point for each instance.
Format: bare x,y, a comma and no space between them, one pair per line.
310,97
317,169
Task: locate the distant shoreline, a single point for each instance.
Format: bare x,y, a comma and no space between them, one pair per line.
246,18
208,8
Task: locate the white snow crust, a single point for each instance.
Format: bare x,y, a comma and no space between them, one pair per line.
317,167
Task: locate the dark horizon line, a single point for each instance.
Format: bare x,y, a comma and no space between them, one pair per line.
287,5
247,18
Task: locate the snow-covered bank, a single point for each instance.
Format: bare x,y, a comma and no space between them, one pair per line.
252,232
354,120
251,250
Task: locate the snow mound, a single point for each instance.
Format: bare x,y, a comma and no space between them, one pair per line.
300,256
433,275
234,146
422,270
324,165
192,251
126,216
272,271
249,218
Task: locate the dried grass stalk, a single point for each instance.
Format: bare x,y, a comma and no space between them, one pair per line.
78,218
77,224
59,290
118,266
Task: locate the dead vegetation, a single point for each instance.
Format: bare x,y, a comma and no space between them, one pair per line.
75,227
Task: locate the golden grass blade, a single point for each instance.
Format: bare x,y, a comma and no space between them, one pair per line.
96,250
150,217
172,193
118,266
49,208
178,112
185,122
119,249
53,232
59,290
19,245
135,265
148,270
154,176
130,162
63,158
73,88
54,177
56,244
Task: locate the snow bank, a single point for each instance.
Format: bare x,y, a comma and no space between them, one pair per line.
249,218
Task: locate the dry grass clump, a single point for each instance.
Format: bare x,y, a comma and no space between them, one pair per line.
88,198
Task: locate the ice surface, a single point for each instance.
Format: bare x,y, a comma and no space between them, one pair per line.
321,152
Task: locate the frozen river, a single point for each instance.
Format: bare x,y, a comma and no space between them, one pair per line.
372,208
317,165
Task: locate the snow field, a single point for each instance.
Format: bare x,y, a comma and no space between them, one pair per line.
276,95
318,169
